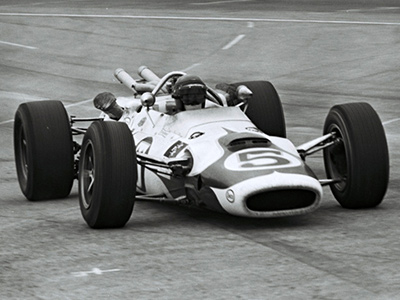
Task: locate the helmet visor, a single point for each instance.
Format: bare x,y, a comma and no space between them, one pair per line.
193,94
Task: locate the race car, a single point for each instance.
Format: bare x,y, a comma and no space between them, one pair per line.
178,139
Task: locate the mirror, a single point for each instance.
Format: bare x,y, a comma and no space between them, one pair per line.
244,93
147,99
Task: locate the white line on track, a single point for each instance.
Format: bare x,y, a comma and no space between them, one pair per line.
333,22
78,103
6,122
219,2
17,45
233,42
391,121
95,271
191,67
376,9
66,106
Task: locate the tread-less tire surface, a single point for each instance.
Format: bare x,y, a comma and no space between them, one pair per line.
43,150
360,156
265,108
107,175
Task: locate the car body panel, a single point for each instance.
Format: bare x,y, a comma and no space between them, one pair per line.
230,157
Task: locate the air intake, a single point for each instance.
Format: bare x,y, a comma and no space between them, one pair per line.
248,143
281,200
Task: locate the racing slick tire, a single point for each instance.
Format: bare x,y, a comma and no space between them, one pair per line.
360,156
107,175
265,108
43,149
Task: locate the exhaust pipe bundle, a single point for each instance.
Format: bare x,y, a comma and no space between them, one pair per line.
148,75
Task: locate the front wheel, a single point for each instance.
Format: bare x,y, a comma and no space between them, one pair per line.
359,158
107,175
43,150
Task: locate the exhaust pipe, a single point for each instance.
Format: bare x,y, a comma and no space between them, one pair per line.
150,77
126,79
148,74
131,83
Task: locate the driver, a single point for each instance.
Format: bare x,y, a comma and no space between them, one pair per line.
189,93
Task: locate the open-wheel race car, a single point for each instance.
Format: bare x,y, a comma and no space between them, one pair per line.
177,139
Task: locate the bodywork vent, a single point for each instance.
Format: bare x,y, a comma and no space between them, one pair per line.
248,143
281,200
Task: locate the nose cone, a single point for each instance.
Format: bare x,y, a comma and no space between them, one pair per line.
273,195
261,176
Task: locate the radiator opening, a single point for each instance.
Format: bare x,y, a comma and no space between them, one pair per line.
281,200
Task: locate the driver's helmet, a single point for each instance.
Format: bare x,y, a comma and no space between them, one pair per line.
189,91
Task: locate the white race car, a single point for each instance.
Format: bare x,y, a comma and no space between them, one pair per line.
230,155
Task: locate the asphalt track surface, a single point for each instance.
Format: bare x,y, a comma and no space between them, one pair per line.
316,53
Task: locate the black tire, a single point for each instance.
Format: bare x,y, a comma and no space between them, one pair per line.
107,175
360,157
43,150
265,108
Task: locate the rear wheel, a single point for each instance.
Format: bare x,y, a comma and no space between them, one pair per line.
43,150
107,175
360,156
265,108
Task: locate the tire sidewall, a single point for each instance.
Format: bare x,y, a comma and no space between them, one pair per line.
90,212
115,173
335,123
25,178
